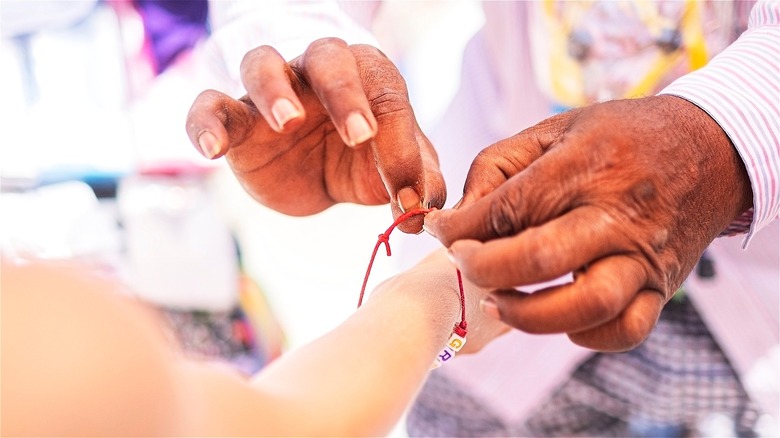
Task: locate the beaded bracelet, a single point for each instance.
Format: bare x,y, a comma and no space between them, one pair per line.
453,345
458,337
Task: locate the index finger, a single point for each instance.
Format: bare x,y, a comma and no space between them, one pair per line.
537,194
268,80
596,296
332,71
541,253
365,96
408,166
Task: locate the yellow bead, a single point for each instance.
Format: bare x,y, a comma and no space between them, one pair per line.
456,342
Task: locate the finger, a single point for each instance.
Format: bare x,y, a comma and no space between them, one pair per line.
626,331
435,189
215,121
405,158
506,158
597,296
409,168
497,163
534,196
268,81
540,253
331,69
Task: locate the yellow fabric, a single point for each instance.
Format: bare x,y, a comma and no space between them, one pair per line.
567,80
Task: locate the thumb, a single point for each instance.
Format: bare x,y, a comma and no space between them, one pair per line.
512,184
532,197
500,161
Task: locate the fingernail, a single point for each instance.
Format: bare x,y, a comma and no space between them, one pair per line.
208,143
489,307
358,130
408,199
284,111
427,220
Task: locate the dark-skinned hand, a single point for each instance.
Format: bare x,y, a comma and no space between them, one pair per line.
625,194
333,125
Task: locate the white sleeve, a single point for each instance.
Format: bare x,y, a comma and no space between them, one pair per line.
289,26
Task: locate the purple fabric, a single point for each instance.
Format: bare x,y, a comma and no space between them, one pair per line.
172,27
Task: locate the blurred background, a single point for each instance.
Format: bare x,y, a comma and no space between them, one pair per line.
95,166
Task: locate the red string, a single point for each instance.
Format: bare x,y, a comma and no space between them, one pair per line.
460,328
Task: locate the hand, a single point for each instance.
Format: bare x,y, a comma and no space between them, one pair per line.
436,276
624,194
333,125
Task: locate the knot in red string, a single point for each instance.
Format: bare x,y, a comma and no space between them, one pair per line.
460,329
384,238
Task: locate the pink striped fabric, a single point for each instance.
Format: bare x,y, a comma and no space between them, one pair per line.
740,89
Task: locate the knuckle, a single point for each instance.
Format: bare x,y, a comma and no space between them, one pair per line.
388,101
630,340
486,157
658,240
639,200
206,95
206,101
664,271
672,276
540,254
333,87
326,43
503,219
493,153
636,328
361,50
254,57
604,297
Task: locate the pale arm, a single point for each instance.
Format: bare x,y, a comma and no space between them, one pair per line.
356,380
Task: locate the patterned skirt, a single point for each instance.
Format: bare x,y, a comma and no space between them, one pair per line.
678,383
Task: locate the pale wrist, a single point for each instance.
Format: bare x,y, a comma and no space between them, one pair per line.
427,299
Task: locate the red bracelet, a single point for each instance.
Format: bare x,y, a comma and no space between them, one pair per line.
458,336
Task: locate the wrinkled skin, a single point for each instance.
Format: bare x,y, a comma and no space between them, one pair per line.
333,125
625,194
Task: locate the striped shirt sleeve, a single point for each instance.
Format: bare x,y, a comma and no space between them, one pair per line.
740,90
